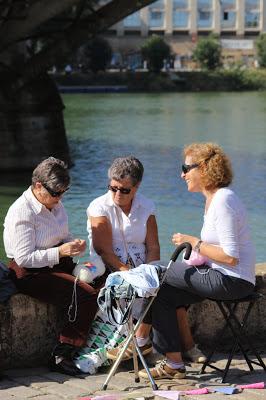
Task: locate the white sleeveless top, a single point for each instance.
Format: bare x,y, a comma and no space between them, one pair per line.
133,225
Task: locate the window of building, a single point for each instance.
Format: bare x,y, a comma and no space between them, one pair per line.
252,13
180,4
132,20
252,19
180,14
252,4
157,14
205,14
180,19
228,14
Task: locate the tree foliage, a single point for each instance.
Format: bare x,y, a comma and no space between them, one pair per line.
208,53
155,50
97,54
261,49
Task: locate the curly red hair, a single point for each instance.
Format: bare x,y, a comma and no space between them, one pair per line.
214,164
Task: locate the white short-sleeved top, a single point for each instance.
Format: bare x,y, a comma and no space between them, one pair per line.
225,225
133,225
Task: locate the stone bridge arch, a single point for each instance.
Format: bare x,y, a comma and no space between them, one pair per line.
31,118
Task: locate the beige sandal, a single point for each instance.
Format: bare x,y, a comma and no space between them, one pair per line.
163,371
113,354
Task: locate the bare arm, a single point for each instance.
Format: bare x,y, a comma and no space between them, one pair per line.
152,241
211,251
102,242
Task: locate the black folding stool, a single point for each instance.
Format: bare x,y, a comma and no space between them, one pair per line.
132,329
237,327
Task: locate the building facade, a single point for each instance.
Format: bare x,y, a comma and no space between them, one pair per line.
182,22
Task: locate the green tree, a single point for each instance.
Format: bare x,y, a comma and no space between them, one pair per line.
208,53
155,51
97,54
261,49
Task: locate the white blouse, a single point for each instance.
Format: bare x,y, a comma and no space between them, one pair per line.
133,227
32,232
225,225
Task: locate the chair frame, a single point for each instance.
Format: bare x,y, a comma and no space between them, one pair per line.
133,329
237,327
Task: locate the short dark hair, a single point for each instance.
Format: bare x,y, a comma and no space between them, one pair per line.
53,172
126,167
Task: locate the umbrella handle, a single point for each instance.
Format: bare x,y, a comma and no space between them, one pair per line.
180,248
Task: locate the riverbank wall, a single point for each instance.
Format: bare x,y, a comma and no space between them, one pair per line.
29,328
236,79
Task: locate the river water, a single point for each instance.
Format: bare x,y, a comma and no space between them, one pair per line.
155,128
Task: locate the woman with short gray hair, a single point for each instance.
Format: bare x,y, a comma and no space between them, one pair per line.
126,167
122,225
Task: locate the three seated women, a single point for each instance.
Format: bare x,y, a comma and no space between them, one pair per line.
123,233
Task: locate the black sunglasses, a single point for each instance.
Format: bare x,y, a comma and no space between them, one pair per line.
121,190
186,167
52,192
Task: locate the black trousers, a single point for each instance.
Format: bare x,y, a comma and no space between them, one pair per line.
189,285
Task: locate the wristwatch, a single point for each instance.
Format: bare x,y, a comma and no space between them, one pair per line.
197,247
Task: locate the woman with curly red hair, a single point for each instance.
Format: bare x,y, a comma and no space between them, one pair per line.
222,265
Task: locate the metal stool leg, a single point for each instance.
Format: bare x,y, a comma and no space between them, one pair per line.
237,328
246,338
118,360
131,338
135,356
237,332
209,356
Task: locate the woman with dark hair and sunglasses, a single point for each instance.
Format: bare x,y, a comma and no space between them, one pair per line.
223,260
40,248
123,232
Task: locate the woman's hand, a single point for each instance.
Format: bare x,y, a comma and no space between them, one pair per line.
179,238
72,249
126,267
211,251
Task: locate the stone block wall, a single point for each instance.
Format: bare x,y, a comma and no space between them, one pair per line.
29,328
28,331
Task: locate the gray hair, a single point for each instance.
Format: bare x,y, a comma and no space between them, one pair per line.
53,172
126,167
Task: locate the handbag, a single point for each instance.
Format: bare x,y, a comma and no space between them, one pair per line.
116,302
7,286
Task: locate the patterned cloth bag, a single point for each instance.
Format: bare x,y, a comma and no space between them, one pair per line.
102,336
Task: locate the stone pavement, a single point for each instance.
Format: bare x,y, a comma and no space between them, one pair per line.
41,384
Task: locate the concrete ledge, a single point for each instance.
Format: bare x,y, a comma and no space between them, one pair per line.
29,328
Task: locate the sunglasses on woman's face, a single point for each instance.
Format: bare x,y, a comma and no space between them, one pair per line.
52,192
186,167
115,189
